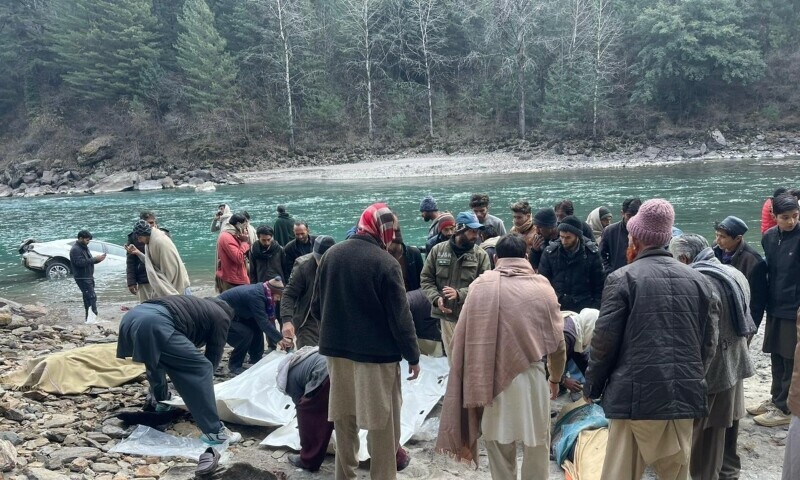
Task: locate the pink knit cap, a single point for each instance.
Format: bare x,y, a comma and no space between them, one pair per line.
652,225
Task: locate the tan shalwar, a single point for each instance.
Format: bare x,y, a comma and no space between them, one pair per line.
634,444
365,396
448,331
708,435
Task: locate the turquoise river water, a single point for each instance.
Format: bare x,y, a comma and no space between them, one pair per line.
702,192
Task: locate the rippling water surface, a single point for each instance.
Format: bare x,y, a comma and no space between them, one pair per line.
701,192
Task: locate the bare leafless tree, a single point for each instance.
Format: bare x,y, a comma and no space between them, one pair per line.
607,32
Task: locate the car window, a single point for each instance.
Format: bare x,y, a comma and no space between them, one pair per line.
115,250
97,247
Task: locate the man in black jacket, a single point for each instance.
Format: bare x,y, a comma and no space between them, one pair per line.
731,249
266,257
782,249
254,306
366,328
297,321
83,270
565,209
546,224
410,260
651,348
165,334
614,244
302,244
572,264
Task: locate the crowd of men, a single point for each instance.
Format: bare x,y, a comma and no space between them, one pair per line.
658,320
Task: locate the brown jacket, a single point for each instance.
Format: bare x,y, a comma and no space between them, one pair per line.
794,389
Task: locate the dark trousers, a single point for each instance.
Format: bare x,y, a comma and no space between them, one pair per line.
782,369
246,338
89,298
272,345
192,375
731,463
315,429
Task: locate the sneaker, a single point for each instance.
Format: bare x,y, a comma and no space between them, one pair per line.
224,435
773,418
761,408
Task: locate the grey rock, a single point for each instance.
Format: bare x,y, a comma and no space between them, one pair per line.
149,185
11,437
48,177
113,431
44,474
206,187
703,149
66,455
692,152
8,456
30,177
118,182
94,152
6,191
105,468
652,152
718,139
167,182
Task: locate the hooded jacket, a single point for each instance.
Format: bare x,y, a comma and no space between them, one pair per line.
654,340
284,229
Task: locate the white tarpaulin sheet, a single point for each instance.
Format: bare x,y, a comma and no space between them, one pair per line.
252,398
419,398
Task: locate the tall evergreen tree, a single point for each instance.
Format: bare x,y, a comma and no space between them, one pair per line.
103,46
208,69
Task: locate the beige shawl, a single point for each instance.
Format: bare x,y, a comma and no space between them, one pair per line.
165,270
510,320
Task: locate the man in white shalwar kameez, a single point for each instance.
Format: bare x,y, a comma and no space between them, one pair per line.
499,390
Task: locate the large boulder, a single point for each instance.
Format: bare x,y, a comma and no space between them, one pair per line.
99,149
117,182
8,456
146,185
167,182
6,191
206,187
717,139
48,177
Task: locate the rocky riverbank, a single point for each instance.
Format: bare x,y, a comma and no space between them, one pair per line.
68,437
95,169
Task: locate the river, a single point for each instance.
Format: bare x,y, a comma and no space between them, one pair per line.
701,192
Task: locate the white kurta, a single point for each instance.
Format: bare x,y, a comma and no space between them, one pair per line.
521,412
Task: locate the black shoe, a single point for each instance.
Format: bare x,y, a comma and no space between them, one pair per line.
296,461
236,370
208,462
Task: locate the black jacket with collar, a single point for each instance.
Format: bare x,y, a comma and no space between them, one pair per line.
577,278
782,250
753,266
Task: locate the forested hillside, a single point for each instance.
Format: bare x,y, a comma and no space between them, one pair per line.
229,78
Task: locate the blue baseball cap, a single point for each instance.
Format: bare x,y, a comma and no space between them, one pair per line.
467,220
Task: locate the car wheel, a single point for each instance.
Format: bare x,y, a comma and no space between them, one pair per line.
57,269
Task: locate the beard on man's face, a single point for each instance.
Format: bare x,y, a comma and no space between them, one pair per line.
631,252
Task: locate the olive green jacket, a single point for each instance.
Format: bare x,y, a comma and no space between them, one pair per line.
443,268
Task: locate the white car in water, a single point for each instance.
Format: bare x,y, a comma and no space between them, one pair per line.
52,258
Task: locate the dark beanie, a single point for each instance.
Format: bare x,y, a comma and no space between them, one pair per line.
572,225
428,204
142,229
733,226
321,245
784,203
603,213
545,217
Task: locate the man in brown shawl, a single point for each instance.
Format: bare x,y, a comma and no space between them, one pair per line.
509,323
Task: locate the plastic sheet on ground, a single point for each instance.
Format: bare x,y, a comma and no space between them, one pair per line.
419,398
149,442
252,398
